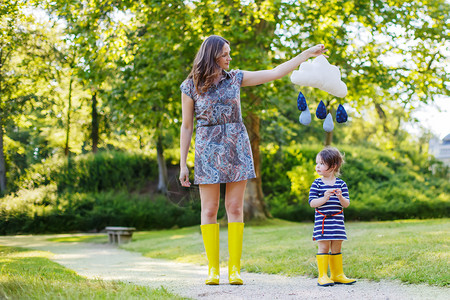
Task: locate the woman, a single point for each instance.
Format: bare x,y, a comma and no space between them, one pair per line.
222,147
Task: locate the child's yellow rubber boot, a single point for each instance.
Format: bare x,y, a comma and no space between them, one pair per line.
210,233
337,270
322,266
235,235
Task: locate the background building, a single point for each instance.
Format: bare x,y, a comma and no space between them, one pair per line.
441,149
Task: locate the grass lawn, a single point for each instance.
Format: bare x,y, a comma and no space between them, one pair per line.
413,251
28,274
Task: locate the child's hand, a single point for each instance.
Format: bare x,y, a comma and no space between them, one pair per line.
338,193
328,194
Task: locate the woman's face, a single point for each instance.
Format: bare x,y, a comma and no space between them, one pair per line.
224,59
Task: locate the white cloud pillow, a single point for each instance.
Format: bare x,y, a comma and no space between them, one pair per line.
322,75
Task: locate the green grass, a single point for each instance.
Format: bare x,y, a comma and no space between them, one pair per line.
27,274
94,238
413,251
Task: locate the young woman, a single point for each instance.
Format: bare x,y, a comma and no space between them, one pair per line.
223,154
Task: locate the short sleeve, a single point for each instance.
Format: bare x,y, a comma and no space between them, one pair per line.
237,76
186,87
314,191
344,190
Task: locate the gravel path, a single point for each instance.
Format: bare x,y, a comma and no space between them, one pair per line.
107,262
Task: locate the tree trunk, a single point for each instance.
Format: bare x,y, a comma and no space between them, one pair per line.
94,133
2,150
66,148
2,162
382,116
254,205
163,179
141,142
329,135
328,138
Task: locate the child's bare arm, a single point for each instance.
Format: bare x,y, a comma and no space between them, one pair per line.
321,201
344,201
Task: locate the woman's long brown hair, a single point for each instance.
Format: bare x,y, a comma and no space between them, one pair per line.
205,69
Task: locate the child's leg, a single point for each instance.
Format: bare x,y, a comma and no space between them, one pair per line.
324,246
336,246
336,268
322,263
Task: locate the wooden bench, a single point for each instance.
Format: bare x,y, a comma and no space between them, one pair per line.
119,235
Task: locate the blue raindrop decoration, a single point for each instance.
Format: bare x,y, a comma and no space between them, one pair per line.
328,125
301,102
321,111
305,117
341,114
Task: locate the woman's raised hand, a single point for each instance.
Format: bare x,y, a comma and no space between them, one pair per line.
317,50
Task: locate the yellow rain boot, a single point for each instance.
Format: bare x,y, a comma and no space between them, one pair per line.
322,266
210,233
235,234
337,271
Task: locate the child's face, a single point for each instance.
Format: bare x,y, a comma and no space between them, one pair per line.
322,168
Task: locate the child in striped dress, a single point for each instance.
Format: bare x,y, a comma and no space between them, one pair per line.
329,196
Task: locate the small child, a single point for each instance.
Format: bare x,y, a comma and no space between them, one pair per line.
329,196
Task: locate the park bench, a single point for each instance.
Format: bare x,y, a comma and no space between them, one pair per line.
119,235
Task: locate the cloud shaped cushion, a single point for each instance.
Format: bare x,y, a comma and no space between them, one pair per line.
322,75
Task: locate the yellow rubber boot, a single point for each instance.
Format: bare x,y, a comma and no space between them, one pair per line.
235,234
210,233
337,271
322,266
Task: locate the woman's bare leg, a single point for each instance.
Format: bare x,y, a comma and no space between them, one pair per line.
209,196
234,201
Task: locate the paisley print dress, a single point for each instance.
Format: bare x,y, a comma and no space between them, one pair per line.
222,147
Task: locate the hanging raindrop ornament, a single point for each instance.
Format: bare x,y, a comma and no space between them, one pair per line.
321,112
301,102
328,124
341,114
305,117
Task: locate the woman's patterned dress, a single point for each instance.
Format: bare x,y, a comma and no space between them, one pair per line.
222,147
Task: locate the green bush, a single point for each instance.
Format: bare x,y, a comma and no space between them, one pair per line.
44,210
91,173
382,185
97,190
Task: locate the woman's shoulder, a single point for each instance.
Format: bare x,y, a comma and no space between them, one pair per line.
234,72
236,75
187,87
187,81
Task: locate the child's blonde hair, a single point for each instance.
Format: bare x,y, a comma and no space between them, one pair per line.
332,158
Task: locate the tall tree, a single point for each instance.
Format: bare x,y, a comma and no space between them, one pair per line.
23,69
90,31
161,47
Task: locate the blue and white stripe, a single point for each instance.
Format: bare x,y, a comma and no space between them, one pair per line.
334,228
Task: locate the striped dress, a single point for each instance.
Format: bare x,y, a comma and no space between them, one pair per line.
333,227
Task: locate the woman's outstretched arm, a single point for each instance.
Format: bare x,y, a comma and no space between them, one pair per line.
260,77
187,127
